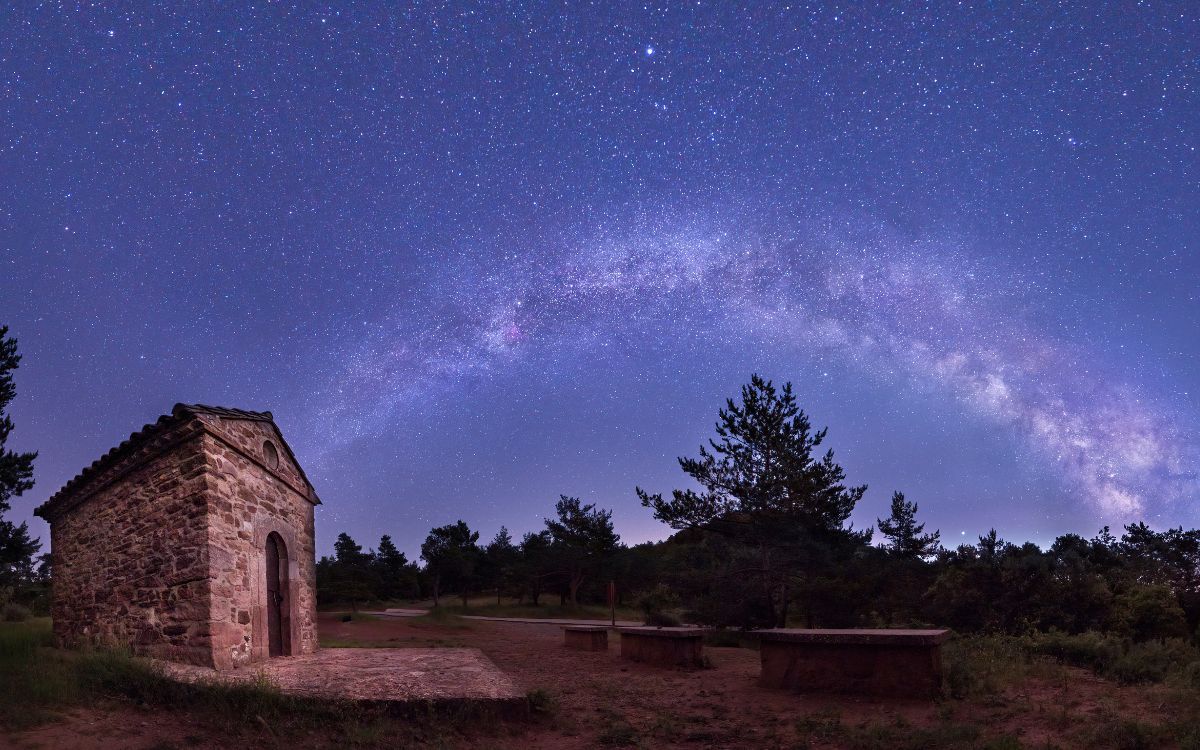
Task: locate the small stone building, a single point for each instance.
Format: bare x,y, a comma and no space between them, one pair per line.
191,541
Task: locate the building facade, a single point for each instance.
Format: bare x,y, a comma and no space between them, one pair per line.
191,541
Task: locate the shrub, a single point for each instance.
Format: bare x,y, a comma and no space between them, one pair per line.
1147,612
1124,662
662,620
1092,650
1191,675
618,733
13,612
541,701
1150,662
654,605
981,665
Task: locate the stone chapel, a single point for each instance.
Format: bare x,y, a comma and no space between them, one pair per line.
190,541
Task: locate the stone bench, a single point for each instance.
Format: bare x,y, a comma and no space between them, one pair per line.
586,637
663,647
902,663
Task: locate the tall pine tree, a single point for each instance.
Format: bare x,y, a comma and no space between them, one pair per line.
17,548
16,469
765,487
906,537
451,554
583,541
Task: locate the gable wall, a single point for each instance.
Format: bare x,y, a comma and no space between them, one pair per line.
247,502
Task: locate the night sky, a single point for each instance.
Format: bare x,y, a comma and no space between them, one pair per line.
476,258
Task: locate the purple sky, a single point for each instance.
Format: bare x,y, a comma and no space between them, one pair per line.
476,258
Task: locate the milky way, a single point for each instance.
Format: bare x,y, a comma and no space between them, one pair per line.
912,313
474,255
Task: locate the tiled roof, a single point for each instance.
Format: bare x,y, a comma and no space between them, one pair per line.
180,414
222,411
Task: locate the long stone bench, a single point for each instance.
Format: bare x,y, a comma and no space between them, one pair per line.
905,663
586,637
663,647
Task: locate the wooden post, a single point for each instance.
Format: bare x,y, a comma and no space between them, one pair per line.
612,601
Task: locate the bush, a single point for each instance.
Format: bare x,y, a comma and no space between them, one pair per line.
1191,675
1124,662
1091,650
13,612
654,605
662,620
1147,612
1151,661
541,702
981,665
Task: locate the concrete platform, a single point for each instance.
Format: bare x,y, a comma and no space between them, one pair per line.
586,637
663,647
896,663
401,678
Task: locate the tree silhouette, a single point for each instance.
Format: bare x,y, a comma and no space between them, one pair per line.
451,554
906,537
764,485
583,540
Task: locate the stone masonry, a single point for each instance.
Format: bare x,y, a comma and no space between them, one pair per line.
162,544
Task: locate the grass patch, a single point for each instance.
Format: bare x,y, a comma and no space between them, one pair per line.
489,608
440,617
617,733
822,729
38,683
36,680
974,666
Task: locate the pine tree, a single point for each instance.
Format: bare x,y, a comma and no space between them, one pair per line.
583,539
17,548
765,486
18,558
534,565
451,554
761,464
392,569
16,469
501,557
352,578
906,537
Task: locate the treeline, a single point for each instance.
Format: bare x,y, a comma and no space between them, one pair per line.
763,540
577,547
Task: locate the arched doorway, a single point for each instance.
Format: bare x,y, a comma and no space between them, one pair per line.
278,616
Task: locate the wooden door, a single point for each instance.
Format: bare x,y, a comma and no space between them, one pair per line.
275,594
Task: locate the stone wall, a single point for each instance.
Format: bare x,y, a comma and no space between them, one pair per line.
130,557
248,500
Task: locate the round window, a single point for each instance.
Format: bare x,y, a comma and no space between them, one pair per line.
271,454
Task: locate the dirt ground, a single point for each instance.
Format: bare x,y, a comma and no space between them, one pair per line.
597,699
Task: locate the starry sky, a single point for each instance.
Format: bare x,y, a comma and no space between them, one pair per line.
473,257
